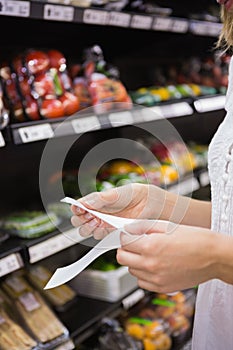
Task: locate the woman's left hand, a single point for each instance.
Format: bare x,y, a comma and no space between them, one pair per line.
169,257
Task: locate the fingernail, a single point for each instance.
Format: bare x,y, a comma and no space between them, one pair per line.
78,210
93,223
88,216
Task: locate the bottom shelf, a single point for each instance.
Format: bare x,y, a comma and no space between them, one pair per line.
100,325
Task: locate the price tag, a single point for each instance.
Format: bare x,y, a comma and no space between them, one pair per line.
210,104
36,133
58,13
180,26
141,22
119,19
54,245
176,110
205,28
95,17
164,24
85,124
133,298
121,118
15,8
10,263
204,179
152,113
185,187
2,141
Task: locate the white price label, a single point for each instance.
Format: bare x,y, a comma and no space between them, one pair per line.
180,26
10,263
210,104
133,298
121,118
204,179
185,187
164,24
15,8
152,113
119,19
2,141
95,17
54,245
36,133
141,22
85,124
176,110
59,13
205,28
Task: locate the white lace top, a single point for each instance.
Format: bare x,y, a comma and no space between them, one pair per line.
213,326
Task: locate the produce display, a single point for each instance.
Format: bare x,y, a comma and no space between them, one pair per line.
59,297
173,161
29,224
34,312
190,79
97,83
164,321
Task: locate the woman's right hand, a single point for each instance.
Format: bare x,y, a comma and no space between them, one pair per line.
137,201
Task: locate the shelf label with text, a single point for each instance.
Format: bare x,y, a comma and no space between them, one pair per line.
152,113
121,118
15,8
2,141
176,110
58,13
36,133
210,104
53,245
133,298
86,124
141,22
163,24
180,26
95,17
10,263
205,28
119,19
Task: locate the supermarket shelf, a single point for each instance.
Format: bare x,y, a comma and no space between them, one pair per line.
81,122
16,252
55,12
11,256
92,311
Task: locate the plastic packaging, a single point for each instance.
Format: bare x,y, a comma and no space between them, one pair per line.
34,312
29,224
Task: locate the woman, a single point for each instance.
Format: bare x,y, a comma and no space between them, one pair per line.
199,249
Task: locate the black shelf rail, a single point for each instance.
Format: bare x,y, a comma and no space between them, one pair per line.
81,122
66,13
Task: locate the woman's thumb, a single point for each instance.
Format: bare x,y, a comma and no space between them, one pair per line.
149,226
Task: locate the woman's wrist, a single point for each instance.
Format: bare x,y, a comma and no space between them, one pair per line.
224,258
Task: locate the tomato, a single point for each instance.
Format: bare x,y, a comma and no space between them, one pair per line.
57,60
70,103
43,84
37,61
52,108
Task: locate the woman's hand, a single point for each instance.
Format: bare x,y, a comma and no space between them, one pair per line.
136,201
170,257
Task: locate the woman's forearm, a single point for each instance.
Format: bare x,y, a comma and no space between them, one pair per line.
186,211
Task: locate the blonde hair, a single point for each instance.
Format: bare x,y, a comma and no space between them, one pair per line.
225,40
